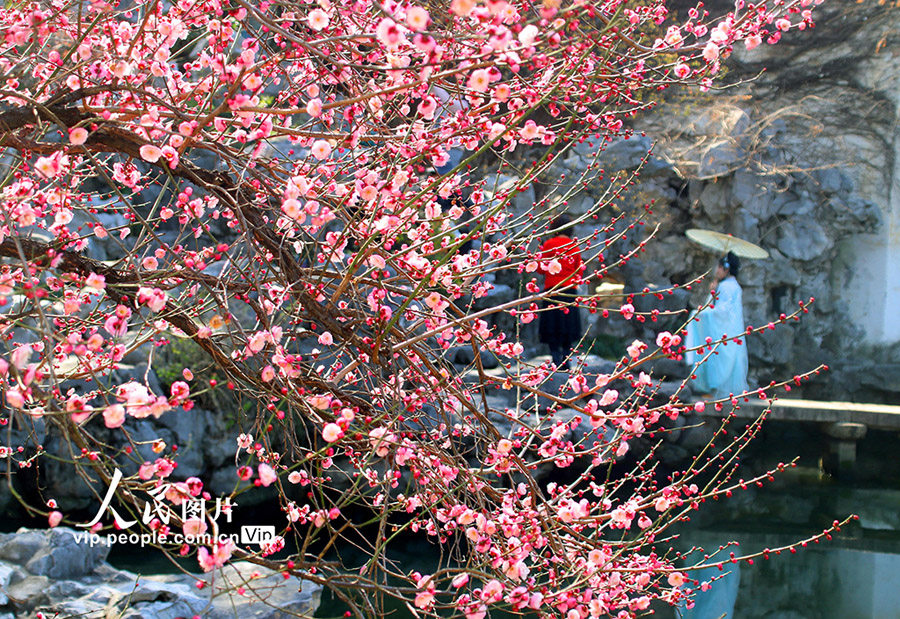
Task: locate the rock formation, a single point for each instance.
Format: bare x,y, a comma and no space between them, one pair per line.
799,158
57,573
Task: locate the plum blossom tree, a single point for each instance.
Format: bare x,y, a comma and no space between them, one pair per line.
292,187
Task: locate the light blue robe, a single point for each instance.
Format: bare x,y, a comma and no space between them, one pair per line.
725,372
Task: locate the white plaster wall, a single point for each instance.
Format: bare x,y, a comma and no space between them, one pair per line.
872,262
867,278
867,584
868,266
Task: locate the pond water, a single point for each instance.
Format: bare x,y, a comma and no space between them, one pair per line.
854,576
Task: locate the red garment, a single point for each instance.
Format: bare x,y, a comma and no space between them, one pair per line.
565,250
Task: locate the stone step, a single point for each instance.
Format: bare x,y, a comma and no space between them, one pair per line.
873,416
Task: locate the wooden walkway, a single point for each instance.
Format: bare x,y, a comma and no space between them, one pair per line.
844,423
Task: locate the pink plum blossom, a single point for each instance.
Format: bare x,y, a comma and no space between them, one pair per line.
114,416
479,80
417,18
54,518
151,153
267,475
49,167
219,556
388,33
332,432
317,19
193,527
78,136
528,34
314,107
321,150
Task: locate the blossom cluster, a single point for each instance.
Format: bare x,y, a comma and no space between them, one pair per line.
290,186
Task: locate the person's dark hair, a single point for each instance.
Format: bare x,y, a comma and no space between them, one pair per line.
731,263
561,224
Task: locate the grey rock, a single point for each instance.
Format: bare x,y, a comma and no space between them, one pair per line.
62,556
503,186
745,225
781,271
885,377
144,434
666,390
664,257
187,426
497,294
19,547
29,592
854,215
61,589
627,154
500,414
831,180
67,585
697,434
578,205
796,207
161,609
668,368
455,354
721,120
715,202
803,239
747,188
464,355
190,430
219,446
268,594
593,365
112,245
158,598
216,268
8,574
720,158
768,200
139,354
774,346
673,299
223,481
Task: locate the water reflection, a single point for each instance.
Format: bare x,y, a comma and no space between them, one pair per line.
827,582
718,602
854,576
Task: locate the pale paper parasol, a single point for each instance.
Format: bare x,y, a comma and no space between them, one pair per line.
724,243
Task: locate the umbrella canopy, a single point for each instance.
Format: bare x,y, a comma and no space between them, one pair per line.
724,243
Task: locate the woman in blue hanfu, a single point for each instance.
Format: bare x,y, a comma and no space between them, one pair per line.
724,373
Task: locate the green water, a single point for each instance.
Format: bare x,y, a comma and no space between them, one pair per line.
854,576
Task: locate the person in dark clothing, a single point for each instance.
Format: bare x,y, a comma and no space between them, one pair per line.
562,266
